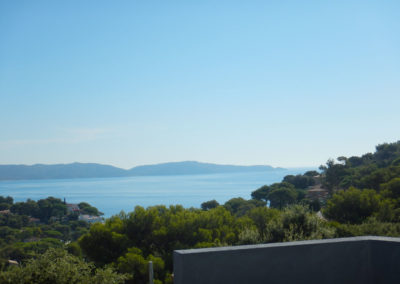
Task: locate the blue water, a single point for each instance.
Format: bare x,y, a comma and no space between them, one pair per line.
111,195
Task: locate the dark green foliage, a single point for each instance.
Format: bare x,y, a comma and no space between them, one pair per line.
22,237
86,208
156,232
379,172
371,227
282,196
353,205
391,189
209,205
8,200
334,173
133,262
29,208
367,171
103,245
386,153
261,193
261,217
59,267
239,206
300,181
74,249
4,206
44,209
14,221
290,191
50,208
396,162
314,205
298,223
128,241
311,173
279,194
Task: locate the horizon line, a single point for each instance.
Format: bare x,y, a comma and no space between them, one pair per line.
161,163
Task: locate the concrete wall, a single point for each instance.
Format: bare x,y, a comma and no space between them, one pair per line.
363,260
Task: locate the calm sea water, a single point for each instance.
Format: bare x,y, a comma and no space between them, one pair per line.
111,195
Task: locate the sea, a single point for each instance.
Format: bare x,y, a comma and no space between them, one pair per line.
113,195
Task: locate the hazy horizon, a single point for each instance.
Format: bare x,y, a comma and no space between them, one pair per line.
128,168
127,83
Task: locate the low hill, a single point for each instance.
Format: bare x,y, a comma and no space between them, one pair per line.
59,171
192,167
91,170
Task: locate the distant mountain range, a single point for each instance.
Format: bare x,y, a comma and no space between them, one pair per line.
91,170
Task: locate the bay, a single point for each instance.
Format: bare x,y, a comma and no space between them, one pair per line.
111,195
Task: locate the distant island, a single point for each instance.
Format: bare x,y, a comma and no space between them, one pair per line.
92,170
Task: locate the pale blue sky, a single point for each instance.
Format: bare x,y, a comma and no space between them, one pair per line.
285,83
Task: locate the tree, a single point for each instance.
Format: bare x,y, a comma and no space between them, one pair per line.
261,193
59,267
352,205
239,206
134,263
279,194
391,189
296,222
102,245
86,208
8,200
29,208
51,207
311,173
261,217
386,153
282,196
209,205
334,173
299,181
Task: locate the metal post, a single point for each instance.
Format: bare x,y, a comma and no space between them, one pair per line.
151,274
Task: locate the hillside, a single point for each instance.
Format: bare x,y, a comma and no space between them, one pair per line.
192,167
59,171
91,170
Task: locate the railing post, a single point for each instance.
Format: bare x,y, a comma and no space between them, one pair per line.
151,274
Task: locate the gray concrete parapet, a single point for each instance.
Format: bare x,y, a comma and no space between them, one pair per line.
364,260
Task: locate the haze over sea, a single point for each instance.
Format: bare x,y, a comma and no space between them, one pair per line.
111,195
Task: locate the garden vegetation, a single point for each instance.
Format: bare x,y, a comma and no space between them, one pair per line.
362,198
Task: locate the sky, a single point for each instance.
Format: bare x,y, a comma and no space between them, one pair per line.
281,83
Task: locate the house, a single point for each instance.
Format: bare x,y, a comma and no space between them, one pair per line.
316,192
13,262
90,218
73,208
32,239
34,220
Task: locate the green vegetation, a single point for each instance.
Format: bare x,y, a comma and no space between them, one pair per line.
57,266
30,228
364,187
86,208
128,241
354,196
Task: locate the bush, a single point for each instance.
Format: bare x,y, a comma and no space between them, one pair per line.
298,223
353,205
59,267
